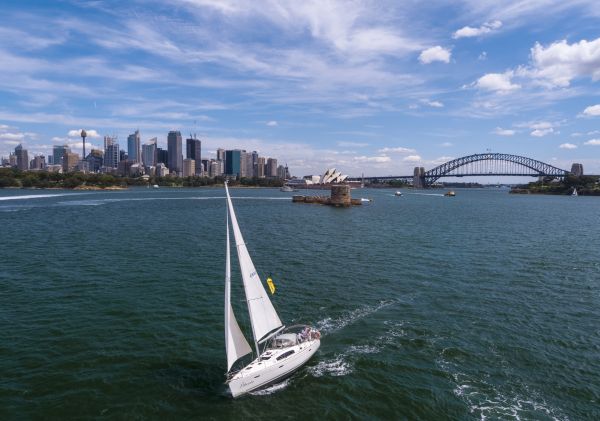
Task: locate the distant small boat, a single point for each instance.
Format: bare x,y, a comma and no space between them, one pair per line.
364,199
574,192
450,193
155,186
398,193
287,188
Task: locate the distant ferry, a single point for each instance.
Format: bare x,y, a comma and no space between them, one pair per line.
450,193
287,188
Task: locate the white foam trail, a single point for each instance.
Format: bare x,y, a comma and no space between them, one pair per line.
331,325
428,194
272,389
334,367
38,196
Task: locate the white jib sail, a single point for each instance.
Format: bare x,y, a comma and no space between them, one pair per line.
263,316
236,344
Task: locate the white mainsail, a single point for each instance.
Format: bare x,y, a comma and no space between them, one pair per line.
263,316
236,344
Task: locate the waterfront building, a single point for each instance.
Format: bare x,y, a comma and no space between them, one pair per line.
57,168
70,161
189,167
136,169
134,147
58,151
193,149
22,158
271,169
174,145
249,167
124,167
233,162
12,160
161,170
260,167
577,170
149,153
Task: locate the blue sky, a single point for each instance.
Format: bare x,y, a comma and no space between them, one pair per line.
364,86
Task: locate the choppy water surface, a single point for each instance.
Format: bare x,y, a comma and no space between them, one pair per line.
482,306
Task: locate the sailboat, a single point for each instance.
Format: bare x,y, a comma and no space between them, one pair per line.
574,192
280,350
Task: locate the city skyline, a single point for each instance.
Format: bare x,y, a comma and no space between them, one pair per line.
374,88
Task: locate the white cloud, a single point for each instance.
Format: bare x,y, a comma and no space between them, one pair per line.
396,150
542,132
561,62
503,132
11,142
482,56
12,136
412,158
344,144
568,146
271,123
434,104
374,159
77,133
436,53
498,82
446,144
468,31
592,110
593,142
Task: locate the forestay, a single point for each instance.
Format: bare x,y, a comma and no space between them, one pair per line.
236,344
263,316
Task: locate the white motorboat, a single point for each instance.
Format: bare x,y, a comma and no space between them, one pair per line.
155,186
286,188
398,193
280,351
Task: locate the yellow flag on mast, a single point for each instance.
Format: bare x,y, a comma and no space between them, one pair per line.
271,285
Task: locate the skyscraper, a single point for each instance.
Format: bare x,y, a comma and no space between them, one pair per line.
70,161
193,147
58,151
162,156
22,158
233,162
134,147
260,167
271,170
149,153
112,156
174,145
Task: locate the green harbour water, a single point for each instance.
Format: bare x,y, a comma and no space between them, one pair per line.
481,306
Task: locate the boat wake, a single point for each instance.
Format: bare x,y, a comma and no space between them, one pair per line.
497,401
96,202
272,389
338,366
428,194
38,196
329,325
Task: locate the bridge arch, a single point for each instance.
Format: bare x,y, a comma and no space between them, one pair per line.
497,164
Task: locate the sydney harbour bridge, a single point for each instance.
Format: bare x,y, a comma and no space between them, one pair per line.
485,164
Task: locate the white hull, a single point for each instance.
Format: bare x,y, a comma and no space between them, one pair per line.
263,372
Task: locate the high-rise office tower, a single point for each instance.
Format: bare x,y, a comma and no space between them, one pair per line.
192,148
271,170
58,151
22,158
38,162
134,147
175,153
149,153
112,156
249,167
162,156
254,164
260,167
233,162
95,160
